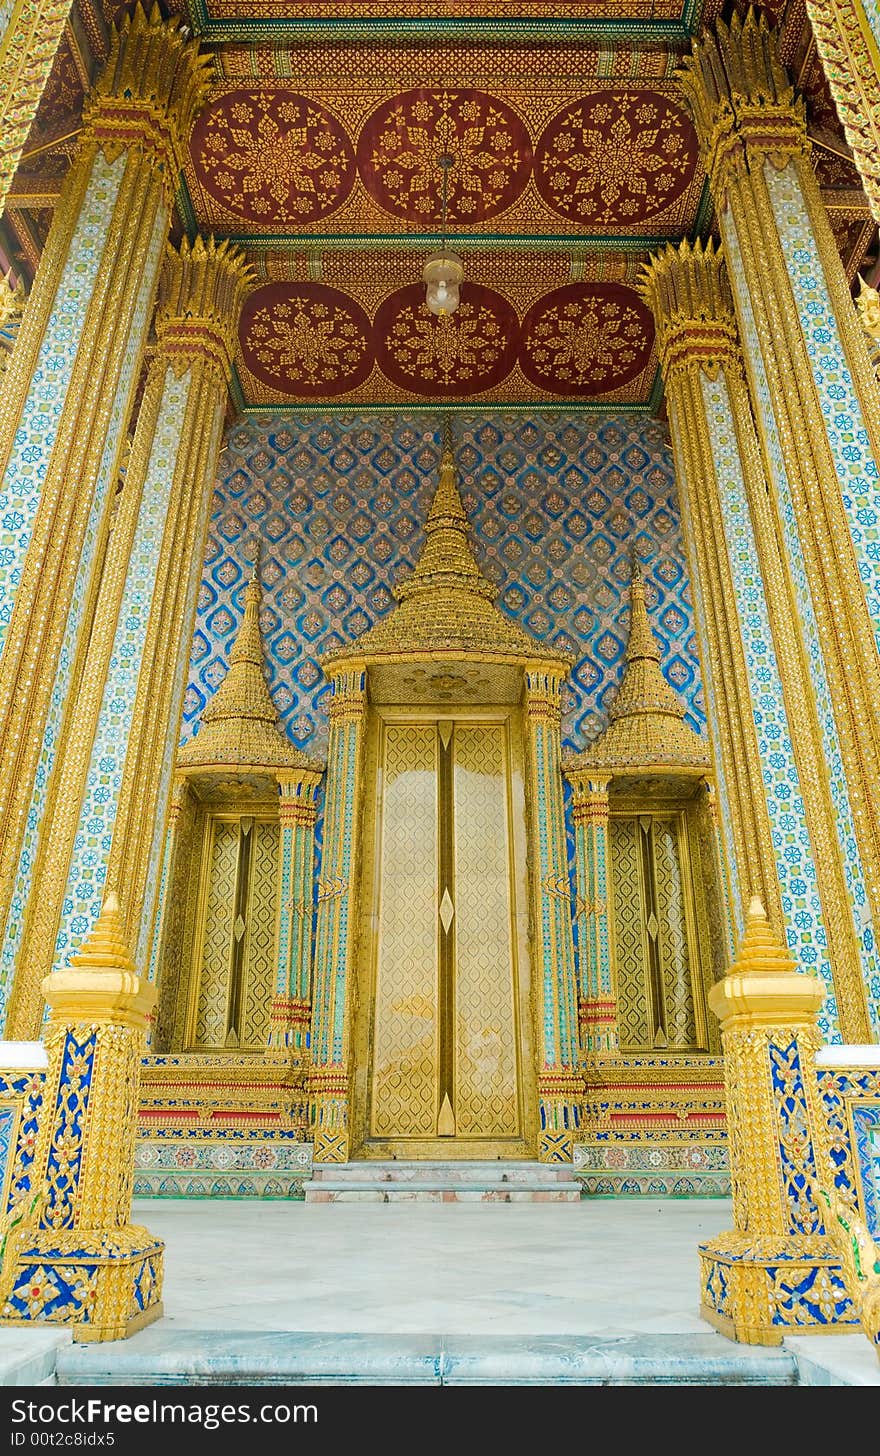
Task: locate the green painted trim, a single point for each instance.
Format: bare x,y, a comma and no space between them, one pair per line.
705,214
505,242
236,393
558,406
656,394
401,27
186,209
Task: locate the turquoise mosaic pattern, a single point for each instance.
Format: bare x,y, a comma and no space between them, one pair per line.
334,887
809,629
557,948
841,409
555,503
156,880
105,482
796,871
7,1125
872,13
728,845
38,428
94,836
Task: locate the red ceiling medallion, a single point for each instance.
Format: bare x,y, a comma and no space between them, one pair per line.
272,157
615,158
400,147
586,339
462,353
305,339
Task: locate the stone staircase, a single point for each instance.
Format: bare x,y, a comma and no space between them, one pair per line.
396,1181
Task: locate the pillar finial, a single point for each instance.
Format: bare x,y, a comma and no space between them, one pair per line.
105,947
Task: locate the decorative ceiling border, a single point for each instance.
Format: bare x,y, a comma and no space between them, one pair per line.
378,28
648,406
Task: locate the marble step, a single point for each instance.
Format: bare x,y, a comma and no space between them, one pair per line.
397,1181
165,1355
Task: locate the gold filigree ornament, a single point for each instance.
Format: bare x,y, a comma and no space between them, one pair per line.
306,341
446,349
607,168
586,341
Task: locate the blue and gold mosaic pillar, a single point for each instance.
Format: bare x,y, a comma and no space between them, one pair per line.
66,393
291,1012
817,407
106,801
329,1078
560,1081
775,1272
76,1259
789,814
598,998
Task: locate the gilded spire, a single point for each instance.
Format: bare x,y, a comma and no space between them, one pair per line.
646,727
105,947
446,608
446,558
239,726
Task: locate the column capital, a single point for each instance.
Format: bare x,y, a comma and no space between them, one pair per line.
688,291
349,697
201,290
543,689
154,81
740,98
764,988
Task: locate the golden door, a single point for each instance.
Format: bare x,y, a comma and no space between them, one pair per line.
444,964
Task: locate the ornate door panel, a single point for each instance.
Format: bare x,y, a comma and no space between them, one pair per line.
405,1037
233,971
442,1015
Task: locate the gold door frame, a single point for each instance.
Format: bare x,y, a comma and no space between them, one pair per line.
524,1144
259,813
681,816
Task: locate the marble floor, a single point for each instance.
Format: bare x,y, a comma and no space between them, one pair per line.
405,1293
596,1267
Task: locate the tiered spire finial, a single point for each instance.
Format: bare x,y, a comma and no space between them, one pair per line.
446,607
646,727
239,726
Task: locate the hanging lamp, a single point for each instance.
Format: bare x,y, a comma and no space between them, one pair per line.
443,271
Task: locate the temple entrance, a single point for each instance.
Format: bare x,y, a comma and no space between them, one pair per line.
444,1068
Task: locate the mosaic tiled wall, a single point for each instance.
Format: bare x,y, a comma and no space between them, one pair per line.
555,503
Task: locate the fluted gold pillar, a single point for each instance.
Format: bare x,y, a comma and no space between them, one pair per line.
30,33
789,820
335,937
817,407
65,397
106,803
560,1079
849,48
597,1011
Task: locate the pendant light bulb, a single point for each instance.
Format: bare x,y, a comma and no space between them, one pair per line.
443,271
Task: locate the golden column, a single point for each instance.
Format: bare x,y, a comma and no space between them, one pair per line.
30,33
775,1272
849,45
106,802
817,405
335,937
788,820
79,1260
66,394
597,1009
